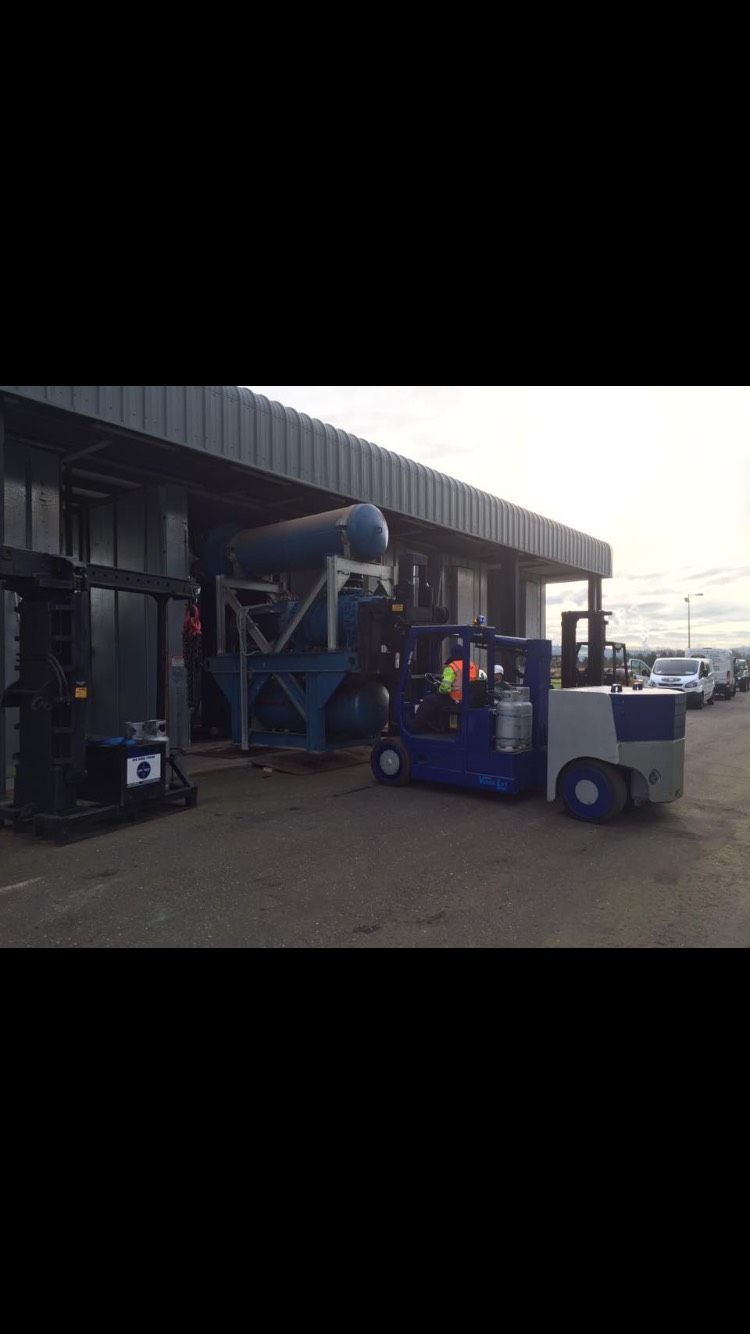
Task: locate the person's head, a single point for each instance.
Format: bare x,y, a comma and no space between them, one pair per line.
499,673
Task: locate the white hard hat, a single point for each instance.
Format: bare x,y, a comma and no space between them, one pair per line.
498,670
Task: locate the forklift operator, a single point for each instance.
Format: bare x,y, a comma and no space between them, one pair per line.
435,707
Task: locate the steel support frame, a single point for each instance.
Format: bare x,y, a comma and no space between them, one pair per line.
338,570
320,681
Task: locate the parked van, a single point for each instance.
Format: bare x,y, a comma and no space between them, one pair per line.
638,670
692,675
742,672
722,662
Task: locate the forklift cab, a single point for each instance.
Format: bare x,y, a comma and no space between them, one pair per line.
427,653
461,747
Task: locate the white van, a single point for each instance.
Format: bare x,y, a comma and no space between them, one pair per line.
638,670
692,675
722,662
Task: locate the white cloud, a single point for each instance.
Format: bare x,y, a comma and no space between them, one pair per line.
663,475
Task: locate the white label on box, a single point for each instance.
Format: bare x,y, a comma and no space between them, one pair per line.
144,769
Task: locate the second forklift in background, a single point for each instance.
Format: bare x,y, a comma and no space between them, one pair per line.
606,660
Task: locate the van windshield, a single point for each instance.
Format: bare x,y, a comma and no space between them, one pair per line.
676,666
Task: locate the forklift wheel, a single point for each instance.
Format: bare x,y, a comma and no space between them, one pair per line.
390,762
592,790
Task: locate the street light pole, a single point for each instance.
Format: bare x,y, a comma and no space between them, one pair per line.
687,599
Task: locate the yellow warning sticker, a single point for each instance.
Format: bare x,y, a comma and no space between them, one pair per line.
82,692
397,606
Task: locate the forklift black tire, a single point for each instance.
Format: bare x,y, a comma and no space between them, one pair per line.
390,762
592,790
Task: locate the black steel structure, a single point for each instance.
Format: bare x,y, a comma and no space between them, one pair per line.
61,773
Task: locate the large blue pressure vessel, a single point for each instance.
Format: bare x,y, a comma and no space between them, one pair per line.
299,544
358,711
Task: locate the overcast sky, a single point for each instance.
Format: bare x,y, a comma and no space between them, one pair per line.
663,475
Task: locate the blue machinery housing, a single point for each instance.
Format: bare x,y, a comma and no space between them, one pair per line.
308,673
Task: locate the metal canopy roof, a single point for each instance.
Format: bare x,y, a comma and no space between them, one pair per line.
247,429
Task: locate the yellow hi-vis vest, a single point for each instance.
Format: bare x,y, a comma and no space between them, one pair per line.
452,681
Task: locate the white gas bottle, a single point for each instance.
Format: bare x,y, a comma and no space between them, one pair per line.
514,714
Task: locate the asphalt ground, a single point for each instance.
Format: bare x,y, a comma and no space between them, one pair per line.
336,860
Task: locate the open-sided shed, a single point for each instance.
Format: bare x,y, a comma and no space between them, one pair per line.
131,475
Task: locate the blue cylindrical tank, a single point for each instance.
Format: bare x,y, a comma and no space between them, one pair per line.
356,710
299,544
275,711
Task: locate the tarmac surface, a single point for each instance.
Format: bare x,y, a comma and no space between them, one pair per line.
336,860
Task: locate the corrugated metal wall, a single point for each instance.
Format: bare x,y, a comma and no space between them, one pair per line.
31,519
140,530
534,609
244,427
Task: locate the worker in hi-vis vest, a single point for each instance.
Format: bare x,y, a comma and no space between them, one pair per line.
430,715
452,682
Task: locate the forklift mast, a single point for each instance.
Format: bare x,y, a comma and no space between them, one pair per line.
594,673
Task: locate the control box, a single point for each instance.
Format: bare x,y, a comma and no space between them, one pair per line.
125,773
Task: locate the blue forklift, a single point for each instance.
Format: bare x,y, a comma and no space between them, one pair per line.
594,746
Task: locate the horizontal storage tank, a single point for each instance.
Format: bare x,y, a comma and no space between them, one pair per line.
356,710
360,531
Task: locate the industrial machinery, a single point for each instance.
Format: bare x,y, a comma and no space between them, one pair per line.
311,668
66,780
593,670
593,746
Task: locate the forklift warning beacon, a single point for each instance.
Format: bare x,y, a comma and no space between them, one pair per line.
594,746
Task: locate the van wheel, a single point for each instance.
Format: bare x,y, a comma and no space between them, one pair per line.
592,790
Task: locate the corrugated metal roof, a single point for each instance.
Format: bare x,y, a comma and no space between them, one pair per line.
249,429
